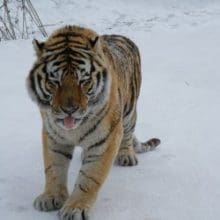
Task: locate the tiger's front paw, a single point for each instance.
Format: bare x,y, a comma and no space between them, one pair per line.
68,212
46,202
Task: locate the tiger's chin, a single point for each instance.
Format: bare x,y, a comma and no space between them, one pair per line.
68,123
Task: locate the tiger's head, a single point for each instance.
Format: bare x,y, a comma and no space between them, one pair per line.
69,78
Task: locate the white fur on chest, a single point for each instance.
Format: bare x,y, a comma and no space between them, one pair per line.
83,136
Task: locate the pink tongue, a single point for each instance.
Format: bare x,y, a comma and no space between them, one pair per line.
69,122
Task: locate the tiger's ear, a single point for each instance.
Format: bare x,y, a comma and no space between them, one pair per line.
95,42
38,47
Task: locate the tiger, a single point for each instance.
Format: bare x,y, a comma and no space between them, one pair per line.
86,86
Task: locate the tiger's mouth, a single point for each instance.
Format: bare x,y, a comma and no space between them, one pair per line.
69,122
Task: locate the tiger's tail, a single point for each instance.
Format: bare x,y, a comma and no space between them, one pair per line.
142,147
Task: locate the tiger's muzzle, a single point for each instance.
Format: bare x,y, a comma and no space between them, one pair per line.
69,104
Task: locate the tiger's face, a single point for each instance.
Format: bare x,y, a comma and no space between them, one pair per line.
68,82
71,96
69,100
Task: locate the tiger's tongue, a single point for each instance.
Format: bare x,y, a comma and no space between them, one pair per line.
69,122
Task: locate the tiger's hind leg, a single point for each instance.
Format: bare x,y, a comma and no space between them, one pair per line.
130,145
126,154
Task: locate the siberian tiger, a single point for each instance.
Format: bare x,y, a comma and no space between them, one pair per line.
86,87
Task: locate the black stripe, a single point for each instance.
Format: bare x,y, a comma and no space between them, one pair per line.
70,51
74,41
72,66
101,93
91,159
67,34
56,43
79,61
45,96
92,129
89,177
120,96
131,105
44,69
97,62
89,91
92,67
55,48
36,66
104,75
33,86
51,138
135,80
131,129
48,168
81,46
54,56
82,189
54,132
76,53
84,215
88,161
65,154
98,76
85,81
132,46
62,53
57,63
104,139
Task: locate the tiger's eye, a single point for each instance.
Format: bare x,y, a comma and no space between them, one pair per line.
50,86
87,85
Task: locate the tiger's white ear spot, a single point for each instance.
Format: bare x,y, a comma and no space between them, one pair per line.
38,46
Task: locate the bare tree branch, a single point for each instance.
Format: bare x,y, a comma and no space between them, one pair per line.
9,19
6,30
18,20
37,19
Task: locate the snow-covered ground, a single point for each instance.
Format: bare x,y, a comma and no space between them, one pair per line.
180,103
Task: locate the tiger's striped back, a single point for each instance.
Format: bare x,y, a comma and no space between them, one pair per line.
127,64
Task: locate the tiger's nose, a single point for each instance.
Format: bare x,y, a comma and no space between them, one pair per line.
69,109
69,106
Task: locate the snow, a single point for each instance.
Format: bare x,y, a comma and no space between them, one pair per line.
179,43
